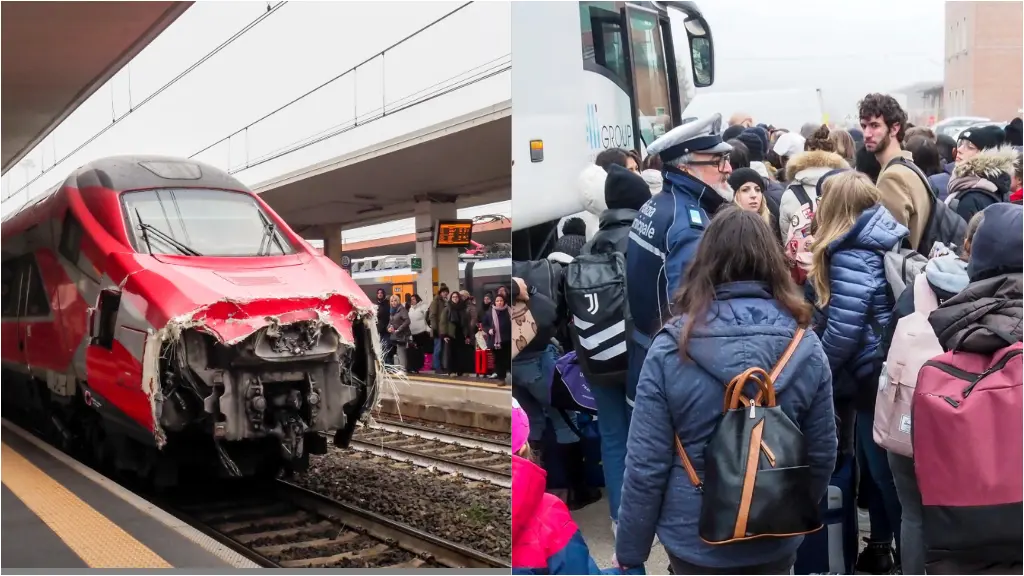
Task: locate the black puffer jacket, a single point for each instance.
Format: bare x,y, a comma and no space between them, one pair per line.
544,277
983,309
613,234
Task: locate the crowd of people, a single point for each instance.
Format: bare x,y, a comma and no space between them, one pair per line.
750,358
442,335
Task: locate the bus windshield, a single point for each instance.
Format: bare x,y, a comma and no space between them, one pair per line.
196,222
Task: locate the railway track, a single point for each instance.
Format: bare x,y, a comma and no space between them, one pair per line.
454,430
473,457
281,525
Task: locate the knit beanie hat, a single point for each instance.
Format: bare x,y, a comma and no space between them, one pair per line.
624,189
754,144
740,177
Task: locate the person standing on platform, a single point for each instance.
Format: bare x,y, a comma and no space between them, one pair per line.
419,325
383,318
398,329
497,323
667,229
435,316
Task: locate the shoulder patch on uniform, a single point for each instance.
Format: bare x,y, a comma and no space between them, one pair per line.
696,221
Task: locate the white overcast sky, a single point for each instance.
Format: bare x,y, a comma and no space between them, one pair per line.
847,48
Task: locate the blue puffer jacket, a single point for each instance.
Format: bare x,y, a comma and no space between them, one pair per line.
860,306
745,327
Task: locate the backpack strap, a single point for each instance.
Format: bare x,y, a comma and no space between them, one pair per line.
924,298
734,390
801,195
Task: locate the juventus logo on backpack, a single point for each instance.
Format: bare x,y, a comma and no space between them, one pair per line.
595,294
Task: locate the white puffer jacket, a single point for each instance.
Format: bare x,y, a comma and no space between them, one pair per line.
418,318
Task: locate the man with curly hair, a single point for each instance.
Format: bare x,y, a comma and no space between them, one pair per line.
904,194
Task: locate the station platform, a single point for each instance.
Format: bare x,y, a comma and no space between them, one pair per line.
60,514
467,401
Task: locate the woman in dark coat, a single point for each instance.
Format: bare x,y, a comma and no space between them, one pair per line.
456,333
498,327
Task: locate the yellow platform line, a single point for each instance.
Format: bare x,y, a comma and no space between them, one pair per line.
453,382
93,537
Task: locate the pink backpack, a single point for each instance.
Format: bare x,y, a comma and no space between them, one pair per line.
968,414
913,344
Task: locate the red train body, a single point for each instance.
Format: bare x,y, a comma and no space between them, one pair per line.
156,310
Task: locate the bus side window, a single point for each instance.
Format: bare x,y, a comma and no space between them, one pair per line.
601,26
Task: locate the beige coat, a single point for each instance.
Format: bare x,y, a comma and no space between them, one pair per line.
905,196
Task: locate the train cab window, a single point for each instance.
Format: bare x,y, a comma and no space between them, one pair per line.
197,222
11,276
37,301
70,238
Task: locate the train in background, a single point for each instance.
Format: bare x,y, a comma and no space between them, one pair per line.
479,274
159,317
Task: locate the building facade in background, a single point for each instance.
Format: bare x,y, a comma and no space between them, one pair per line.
922,102
984,44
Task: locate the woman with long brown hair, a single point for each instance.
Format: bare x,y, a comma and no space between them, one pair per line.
738,308
848,277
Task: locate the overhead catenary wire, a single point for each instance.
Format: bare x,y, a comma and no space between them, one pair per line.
353,124
295,100
271,9
490,69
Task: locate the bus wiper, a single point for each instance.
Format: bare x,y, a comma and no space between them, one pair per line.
269,235
149,228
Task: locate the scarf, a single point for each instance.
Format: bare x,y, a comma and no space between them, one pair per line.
496,323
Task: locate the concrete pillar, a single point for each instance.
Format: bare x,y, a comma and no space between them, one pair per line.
332,242
440,265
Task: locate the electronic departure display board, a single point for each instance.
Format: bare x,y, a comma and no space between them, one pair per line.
453,234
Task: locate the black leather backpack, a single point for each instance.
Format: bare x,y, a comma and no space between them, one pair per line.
757,483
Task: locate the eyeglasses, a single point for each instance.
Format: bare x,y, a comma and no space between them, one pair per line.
721,162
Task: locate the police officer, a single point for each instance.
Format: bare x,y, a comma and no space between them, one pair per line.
666,231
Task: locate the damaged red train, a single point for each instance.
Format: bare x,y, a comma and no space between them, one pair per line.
160,316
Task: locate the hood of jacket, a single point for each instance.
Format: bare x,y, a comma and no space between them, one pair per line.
988,164
875,229
947,275
654,180
591,189
993,303
761,169
528,485
617,217
737,305
807,167
613,236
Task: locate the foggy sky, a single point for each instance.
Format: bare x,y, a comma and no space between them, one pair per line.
846,48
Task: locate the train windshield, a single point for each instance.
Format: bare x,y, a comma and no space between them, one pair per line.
195,222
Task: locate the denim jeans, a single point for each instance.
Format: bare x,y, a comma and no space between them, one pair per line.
912,521
531,379
884,508
438,358
613,415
